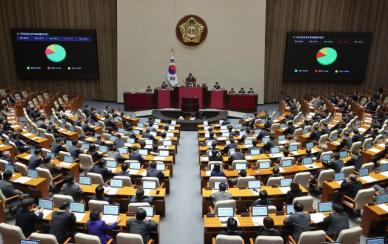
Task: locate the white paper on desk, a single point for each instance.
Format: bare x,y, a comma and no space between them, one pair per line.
317,217
65,165
368,179
110,219
159,158
383,207
36,138
248,157
285,189
221,138
111,190
208,172
281,170
258,221
133,171
381,145
256,193
375,150
79,216
282,142
28,134
339,181
147,192
276,155
22,179
204,158
385,173
144,173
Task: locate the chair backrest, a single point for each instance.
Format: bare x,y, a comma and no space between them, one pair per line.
302,178
269,240
154,179
370,166
58,199
378,138
50,137
226,239
3,164
102,125
44,238
355,148
96,204
309,237
96,178
11,234
363,197
274,126
272,209
79,130
348,170
297,133
306,201
210,163
62,154
231,203
21,168
333,134
214,179
242,182
126,179
85,161
128,238
323,141
132,207
81,238
367,141
45,173
325,175
350,236
325,153
274,181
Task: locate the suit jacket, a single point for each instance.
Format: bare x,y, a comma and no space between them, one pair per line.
220,195
217,173
358,137
335,223
27,220
337,165
98,228
298,223
137,156
62,224
134,199
268,232
291,195
155,173
7,188
350,188
120,143
142,228
229,146
346,142
101,170
236,156
34,162
75,152
72,190
314,136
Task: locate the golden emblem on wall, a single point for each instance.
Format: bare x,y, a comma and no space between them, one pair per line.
191,30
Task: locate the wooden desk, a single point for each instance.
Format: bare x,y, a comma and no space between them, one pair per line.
36,140
71,135
38,184
373,217
372,153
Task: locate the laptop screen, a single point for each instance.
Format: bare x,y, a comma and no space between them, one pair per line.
225,134
307,160
134,165
363,172
160,166
383,198
264,165
384,167
305,130
290,209
112,138
225,212
83,180
240,166
293,147
32,173
163,153
248,141
143,152
309,145
149,210
343,154
167,143
285,182
103,149
69,143
334,137
68,159
260,211
77,207
378,240
339,176
266,140
254,184
325,206
326,157
46,204
123,150
111,163
29,241
255,151
149,184
275,150
121,130
286,163
148,141
281,138
170,134
131,140
117,183
111,210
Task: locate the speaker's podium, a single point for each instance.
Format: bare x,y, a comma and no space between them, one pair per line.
189,92
190,105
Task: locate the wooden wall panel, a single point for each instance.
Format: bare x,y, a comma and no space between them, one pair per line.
324,15
75,14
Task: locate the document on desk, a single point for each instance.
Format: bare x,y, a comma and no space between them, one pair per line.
285,189
111,190
159,158
256,193
317,217
384,207
22,180
79,216
28,134
110,219
374,150
368,179
133,171
208,172
147,192
258,221
385,173
46,213
64,165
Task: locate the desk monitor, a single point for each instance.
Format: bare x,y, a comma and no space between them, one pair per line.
339,176
147,184
103,149
143,152
29,241
293,147
307,160
116,183
153,133
309,145
363,172
282,126
368,145
225,134
286,163
343,154
255,151
84,180
160,166
32,173
254,184
264,165
164,153
290,209
136,132
111,209
68,159
111,164
134,165
240,166
334,137
167,143
281,138
140,125
225,212
46,204
285,182
77,207
149,210
275,150
259,211
248,142
382,198
383,167
325,207
69,143
170,134
223,127
123,150
326,157
377,240
131,140
85,146
148,141
120,130
112,138
266,139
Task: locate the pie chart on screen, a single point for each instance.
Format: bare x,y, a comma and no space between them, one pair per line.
326,56
55,53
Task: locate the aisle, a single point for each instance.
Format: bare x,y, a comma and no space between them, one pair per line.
183,221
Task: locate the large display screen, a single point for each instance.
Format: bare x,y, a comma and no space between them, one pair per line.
55,54
326,56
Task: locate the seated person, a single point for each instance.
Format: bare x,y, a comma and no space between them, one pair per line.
295,191
96,155
298,222
139,197
26,218
76,149
135,155
71,189
242,173
289,129
8,189
250,91
58,146
119,142
263,199
237,155
141,226
217,171
6,156
124,170
350,186
241,91
99,194
214,154
346,142
153,172
190,80
336,163
269,228
35,160
216,86
222,194
100,168
336,221
231,228
98,227
275,171
355,161
62,222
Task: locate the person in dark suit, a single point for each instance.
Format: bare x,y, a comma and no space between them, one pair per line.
96,155
135,155
263,199
295,191
71,189
350,186
346,142
237,155
325,129
35,160
98,227
222,194
62,222
290,128
76,149
6,156
336,163
190,80
99,194
26,218
21,145
275,171
269,228
141,226
242,174
100,168
270,144
336,222
119,141
315,134
139,197
124,169
356,160
217,171
153,172
357,136
231,228
231,145
7,187
297,222
148,135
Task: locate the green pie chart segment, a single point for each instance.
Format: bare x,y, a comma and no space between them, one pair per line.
55,53
326,56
